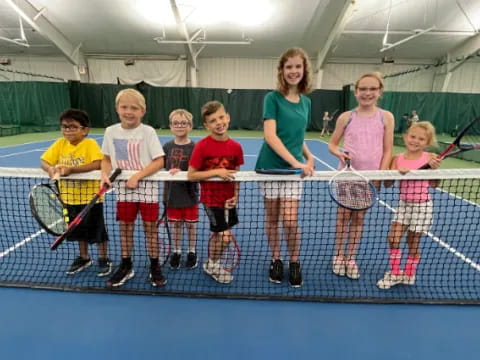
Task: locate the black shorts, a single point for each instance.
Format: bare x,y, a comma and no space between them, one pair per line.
217,218
92,229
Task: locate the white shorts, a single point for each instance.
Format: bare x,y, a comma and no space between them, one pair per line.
281,189
417,216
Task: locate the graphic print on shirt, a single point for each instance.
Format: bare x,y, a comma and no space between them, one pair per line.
220,162
177,157
127,152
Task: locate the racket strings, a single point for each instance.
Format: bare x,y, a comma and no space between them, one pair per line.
353,193
49,209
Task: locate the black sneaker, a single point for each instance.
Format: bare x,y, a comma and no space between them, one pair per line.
123,273
79,264
191,261
175,260
295,275
276,271
156,276
104,267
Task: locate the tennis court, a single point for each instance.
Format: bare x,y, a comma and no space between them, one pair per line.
449,273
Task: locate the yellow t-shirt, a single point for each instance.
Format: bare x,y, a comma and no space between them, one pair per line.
62,152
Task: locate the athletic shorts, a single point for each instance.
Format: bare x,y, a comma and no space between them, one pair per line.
92,228
218,223
281,189
128,211
417,216
188,214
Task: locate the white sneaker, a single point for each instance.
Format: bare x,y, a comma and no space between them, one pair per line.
390,280
408,280
352,270
338,266
217,273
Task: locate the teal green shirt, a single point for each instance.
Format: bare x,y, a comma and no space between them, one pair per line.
292,120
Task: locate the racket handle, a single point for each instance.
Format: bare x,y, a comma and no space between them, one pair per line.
347,160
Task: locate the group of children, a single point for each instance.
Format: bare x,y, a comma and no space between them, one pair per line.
367,134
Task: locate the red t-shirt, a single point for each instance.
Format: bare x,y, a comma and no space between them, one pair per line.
213,154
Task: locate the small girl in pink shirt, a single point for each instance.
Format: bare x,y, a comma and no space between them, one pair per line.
367,133
415,209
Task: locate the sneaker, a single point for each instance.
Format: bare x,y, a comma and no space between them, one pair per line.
276,271
191,261
338,266
217,273
104,267
390,280
295,274
175,260
156,276
79,264
352,270
408,280
123,273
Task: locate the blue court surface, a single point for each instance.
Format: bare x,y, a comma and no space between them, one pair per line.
53,324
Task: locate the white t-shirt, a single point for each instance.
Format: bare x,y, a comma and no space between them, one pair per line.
133,149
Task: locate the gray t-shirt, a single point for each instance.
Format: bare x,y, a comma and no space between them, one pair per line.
179,194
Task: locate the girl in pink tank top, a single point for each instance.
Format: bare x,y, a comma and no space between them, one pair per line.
415,209
367,134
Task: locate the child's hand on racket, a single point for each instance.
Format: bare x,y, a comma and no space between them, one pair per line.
434,162
63,170
343,157
307,169
132,182
225,174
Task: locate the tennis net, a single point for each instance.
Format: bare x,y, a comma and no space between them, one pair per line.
449,249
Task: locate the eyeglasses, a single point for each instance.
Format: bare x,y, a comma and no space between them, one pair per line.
71,127
180,123
365,89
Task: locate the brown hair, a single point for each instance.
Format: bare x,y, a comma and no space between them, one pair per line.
305,84
211,107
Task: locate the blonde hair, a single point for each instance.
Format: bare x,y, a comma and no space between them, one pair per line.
376,75
305,85
211,107
133,94
181,112
429,129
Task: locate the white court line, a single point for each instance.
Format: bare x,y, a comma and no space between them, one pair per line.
432,236
21,153
21,243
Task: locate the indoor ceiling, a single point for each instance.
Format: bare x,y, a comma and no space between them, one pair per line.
330,30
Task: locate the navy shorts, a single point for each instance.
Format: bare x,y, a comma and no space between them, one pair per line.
92,229
217,219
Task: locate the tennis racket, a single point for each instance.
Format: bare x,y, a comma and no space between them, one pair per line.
48,208
164,237
81,215
290,171
230,258
351,190
468,139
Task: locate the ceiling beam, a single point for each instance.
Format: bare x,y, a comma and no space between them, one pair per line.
38,22
403,32
466,50
183,31
341,11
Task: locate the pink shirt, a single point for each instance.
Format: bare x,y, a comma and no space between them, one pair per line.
413,190
363,139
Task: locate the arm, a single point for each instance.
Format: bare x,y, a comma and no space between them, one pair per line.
232,202
49,169
333,145
387,140
198,175
106,168
150,169
434,163
393,166
66,170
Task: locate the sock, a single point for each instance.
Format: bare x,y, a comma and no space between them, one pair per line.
153,262
177,251
192,250
411,266
127,261
395,258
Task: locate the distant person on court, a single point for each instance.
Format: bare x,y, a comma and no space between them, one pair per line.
414,213
326,120
73,154
414,118
367,133
217,155
131,145
181,197
286,114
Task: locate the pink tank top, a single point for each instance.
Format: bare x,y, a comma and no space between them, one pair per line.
413,190
363,139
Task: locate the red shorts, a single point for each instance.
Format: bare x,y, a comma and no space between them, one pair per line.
189,214
127,211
